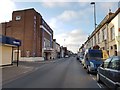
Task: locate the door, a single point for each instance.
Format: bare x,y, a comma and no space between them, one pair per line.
114,72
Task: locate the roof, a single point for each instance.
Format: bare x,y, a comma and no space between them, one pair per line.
28,10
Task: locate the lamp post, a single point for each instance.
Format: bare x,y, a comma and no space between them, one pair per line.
93,3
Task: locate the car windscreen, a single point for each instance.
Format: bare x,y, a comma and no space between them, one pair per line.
116,64
95,55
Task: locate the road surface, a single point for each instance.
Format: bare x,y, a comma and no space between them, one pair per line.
63,73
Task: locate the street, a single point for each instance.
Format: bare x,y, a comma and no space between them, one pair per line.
64,73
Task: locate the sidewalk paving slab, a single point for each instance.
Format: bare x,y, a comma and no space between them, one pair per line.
13,72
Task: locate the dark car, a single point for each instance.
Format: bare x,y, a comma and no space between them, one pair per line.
109,72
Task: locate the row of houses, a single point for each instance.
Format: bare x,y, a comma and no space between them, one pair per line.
35,35
106,35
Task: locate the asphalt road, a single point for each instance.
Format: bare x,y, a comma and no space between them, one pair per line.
64,73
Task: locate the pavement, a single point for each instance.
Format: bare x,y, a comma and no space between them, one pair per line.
12,72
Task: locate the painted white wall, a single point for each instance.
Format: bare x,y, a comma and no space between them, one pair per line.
116,23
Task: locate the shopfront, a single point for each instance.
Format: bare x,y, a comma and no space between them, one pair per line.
7,45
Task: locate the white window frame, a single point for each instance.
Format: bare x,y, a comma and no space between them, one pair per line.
112,29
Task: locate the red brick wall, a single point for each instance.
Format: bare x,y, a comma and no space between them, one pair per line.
23,30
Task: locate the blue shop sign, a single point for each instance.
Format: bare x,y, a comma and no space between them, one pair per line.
11,41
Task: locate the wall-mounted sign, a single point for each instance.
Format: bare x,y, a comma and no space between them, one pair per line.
10,41
18,18
16,42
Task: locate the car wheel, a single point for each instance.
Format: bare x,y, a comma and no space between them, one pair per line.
98,78
84,66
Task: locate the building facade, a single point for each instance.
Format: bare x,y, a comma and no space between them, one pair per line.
35,34
106,35
56,47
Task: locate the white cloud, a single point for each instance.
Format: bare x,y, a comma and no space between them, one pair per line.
68,15
105,6
72,39
6,9
55,4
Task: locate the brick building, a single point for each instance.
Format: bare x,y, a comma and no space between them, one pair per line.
35,34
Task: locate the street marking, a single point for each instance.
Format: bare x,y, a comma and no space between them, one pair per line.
94,79
99,85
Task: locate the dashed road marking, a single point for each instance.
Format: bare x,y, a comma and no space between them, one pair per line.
94,79
99,85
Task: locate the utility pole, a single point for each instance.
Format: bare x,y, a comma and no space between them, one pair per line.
93,3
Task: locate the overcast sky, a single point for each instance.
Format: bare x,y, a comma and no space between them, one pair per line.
72,22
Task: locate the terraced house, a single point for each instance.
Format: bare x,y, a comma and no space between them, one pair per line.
106,35
35,34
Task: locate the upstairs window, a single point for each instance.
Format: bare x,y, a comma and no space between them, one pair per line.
98,37
104,34
112,33
95,40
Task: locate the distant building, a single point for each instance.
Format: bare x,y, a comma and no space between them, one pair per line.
56,48
35,34
63,51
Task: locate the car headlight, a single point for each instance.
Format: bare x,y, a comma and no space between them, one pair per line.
91,64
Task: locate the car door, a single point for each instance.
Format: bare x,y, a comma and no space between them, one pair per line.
113,73
103,70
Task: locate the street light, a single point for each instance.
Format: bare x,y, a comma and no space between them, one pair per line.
93,3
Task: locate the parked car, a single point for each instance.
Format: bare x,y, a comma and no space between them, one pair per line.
109,72
92,60
81,59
